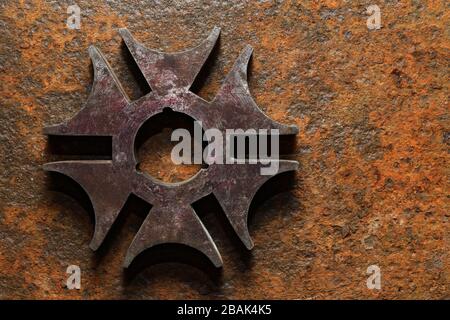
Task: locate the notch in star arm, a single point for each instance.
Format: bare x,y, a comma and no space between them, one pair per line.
168,71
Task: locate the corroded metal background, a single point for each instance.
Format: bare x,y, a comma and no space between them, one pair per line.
373,149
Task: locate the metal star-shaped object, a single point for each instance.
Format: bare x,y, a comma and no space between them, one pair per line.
109,112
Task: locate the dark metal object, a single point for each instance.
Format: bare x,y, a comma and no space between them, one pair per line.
109,112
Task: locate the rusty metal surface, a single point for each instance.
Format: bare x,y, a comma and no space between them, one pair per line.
372,111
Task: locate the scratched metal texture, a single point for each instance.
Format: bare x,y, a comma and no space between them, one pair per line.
373,142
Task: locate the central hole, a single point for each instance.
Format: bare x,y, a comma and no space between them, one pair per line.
153,147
